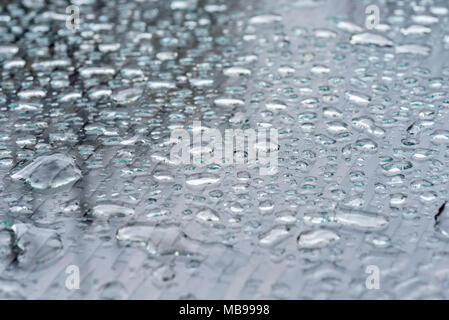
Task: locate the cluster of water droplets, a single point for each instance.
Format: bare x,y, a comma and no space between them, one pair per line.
87,178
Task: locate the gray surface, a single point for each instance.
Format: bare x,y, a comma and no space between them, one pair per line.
377,205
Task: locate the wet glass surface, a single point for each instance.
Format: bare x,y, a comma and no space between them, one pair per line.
87,180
